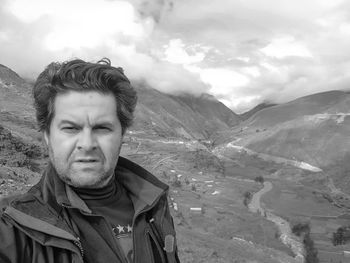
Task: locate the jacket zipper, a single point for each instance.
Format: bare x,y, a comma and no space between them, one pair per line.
79,245
77,242
153,239
155,230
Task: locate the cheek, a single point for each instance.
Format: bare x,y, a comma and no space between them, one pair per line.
61,149
111,148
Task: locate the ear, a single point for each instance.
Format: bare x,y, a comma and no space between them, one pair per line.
46,137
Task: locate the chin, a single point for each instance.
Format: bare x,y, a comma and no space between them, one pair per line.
91,181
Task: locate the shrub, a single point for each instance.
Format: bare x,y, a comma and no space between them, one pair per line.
176,183
341,236
259,179
300,228
247,197
311,251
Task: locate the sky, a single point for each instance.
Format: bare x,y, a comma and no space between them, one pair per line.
243,52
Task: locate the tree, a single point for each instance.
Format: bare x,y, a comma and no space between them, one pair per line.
341,236
311,252
259,179
300,228
247,197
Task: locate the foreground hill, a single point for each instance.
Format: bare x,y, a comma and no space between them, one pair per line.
313,129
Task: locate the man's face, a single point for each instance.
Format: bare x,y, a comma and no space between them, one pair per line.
85,138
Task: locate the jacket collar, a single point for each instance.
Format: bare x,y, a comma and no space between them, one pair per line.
39,210
143,187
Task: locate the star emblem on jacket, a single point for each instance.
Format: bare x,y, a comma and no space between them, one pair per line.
120,229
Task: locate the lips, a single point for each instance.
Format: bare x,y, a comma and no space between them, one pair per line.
86,160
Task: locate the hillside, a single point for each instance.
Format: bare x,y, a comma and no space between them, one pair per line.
246,115
183,116
9,77
314,129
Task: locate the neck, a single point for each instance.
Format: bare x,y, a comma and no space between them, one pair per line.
97,193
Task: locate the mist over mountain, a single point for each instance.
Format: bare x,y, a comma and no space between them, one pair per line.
183,116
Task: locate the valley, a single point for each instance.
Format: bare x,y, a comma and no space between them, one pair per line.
237,186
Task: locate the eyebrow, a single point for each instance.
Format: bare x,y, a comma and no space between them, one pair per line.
64,122
98,124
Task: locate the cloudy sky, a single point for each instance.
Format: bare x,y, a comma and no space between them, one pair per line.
243,52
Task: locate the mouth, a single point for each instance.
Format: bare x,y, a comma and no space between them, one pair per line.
86,161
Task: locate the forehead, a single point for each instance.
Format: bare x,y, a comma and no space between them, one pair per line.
89,104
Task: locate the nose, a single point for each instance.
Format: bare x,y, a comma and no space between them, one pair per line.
86,140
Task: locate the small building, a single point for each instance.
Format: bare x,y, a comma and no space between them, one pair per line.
346,253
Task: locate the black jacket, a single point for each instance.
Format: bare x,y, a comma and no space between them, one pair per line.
35,227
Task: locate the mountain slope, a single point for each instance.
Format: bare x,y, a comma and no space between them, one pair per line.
157,113
246,115
181,116
330,102
314,129
16,107
9,77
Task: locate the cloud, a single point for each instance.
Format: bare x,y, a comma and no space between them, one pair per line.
114,29
175,53
286,47
243,52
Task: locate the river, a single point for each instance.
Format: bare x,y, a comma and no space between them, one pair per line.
287,237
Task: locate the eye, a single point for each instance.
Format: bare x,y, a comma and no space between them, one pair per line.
69,129
102,128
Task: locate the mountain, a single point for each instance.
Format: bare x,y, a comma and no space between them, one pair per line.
313,129
16,107
157,113
184,115
246,115
9,77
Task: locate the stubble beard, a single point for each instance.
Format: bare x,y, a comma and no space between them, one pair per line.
73,177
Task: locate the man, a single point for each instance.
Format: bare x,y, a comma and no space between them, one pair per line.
90,205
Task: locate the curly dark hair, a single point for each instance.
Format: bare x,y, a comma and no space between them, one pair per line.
81,76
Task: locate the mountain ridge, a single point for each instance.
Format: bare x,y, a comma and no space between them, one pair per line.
314,129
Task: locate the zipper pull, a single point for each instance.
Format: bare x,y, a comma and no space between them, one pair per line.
169,240
169,243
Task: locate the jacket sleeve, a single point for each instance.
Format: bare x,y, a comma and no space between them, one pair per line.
8,244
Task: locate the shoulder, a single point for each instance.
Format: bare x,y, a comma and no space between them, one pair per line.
14,200
6,200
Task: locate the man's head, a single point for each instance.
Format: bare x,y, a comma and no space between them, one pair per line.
80,76
84,110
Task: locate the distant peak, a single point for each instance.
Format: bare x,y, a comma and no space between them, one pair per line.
207,96
7,75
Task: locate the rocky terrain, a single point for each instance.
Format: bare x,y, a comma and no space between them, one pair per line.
211,158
